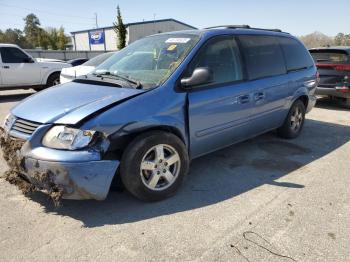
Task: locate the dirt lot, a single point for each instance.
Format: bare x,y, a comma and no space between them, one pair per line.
266,199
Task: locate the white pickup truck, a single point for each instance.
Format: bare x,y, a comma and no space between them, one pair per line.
18,70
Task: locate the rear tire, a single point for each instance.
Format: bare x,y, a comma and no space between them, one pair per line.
153,165
294,122
54,79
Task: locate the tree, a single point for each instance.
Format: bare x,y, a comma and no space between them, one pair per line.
32,30
14,36
317,39
52,38
120,30
342,39
62,39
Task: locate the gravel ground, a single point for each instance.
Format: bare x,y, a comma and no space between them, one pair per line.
266,199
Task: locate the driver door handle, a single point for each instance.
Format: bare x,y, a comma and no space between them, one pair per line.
6,67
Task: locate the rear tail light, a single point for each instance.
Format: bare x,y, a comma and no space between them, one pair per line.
338,67
342,89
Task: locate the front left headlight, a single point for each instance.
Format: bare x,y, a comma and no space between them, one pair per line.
62,137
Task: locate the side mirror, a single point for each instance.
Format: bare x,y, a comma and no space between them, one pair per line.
201,75
28,60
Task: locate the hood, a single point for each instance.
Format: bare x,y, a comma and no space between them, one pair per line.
77,70
53,65
70,103
48,60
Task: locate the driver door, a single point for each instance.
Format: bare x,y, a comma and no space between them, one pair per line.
18,68
219,112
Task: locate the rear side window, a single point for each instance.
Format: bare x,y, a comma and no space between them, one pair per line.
296,55
263,56
329,56
222,56
12,55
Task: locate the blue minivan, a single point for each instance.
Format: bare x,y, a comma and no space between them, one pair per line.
155,105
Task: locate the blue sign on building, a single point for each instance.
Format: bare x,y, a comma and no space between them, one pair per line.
97,37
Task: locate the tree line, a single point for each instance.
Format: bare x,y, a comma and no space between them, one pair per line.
34,36
317,39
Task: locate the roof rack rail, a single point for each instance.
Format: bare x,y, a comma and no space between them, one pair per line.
228,26
244,27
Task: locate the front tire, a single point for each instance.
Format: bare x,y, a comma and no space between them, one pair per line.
154,165
294,122
54,79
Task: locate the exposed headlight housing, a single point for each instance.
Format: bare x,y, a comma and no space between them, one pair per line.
8,122
62,137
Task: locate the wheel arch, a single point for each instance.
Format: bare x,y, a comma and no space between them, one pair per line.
50,73
119,142
304,99
301,94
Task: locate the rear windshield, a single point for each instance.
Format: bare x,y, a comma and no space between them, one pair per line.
329,56
97,60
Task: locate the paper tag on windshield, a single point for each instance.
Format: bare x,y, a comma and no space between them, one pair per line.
177,40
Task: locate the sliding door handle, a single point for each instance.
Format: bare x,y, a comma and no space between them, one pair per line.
259,96
243,99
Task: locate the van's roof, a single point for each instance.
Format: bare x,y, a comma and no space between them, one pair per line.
238,30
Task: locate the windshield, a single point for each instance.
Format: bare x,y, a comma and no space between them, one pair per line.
97,60
151,60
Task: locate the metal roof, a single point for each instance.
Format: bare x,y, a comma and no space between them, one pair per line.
137,23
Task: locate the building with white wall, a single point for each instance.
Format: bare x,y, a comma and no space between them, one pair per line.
106,39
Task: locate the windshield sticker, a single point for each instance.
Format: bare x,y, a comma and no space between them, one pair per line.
172,47
177,40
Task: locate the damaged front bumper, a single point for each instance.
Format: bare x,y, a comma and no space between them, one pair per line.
78,175
77,180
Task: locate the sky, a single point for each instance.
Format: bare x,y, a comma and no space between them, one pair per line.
298,17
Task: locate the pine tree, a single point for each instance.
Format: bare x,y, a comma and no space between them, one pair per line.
120,30
32,30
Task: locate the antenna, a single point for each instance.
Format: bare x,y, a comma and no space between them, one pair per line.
154,22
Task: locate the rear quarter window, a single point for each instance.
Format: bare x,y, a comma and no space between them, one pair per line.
263,56
296,55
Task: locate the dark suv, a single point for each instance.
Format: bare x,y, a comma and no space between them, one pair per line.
333,64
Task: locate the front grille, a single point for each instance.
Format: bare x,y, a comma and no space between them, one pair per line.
25,127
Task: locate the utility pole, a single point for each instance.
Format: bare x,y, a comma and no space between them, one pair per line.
96,24
154,23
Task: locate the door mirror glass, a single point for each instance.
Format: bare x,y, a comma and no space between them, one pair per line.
200,76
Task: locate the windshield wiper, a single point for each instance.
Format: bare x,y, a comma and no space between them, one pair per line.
127,79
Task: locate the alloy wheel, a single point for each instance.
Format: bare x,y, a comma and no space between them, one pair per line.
160,167
296,119
56,82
